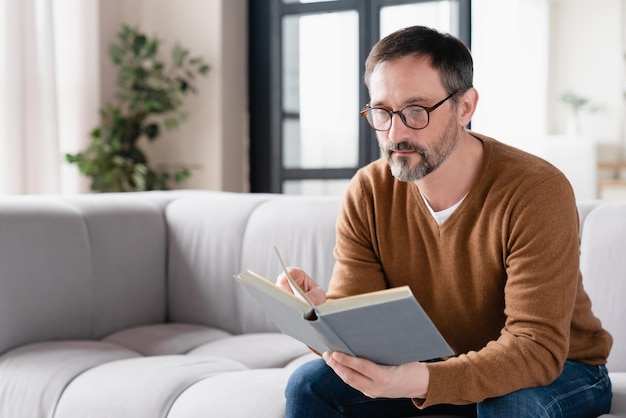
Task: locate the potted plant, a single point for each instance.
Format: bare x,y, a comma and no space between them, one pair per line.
150,94
577,104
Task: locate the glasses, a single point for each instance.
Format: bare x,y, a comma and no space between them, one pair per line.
413,116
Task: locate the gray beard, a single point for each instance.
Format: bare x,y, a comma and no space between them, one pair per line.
431,159
403,171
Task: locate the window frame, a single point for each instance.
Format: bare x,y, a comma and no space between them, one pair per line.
267,173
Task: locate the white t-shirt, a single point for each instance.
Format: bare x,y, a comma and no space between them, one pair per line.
442,215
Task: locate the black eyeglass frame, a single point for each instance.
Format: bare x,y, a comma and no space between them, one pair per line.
367,108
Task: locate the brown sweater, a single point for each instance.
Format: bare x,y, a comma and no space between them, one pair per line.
500,278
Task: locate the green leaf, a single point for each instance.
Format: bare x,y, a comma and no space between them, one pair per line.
151,131
139,41
179,54
118,161
152,47
183,85
181,175
141,169
171,123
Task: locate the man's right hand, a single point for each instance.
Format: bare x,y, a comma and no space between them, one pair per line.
313,291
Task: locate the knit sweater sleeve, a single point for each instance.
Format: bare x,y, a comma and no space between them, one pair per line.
357,268
540,235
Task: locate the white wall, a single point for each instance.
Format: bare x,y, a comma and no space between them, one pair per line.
586,57
527,53
215,137
510,50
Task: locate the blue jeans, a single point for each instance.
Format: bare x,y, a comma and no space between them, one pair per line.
315,391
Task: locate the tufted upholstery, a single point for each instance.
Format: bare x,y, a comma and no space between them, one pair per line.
124,305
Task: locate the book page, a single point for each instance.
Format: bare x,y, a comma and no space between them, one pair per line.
365,299
261,283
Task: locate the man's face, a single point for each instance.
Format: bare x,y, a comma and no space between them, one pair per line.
413,154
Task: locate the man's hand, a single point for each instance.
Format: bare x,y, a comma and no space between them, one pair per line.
306,283
405,381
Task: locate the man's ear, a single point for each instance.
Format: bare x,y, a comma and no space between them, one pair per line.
466,106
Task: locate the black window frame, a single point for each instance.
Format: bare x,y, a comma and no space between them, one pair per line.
265,85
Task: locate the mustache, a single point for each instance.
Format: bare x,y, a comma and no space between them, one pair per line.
404,146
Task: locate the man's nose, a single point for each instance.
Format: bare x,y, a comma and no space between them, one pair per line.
397,132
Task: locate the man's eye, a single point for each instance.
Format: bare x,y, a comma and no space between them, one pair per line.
379,112
413,111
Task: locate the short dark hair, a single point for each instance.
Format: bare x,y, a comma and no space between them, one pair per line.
448,55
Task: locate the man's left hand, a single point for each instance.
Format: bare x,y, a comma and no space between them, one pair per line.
408,380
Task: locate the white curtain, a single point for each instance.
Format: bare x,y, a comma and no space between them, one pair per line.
49,92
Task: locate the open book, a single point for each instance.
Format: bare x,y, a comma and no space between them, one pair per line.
387,327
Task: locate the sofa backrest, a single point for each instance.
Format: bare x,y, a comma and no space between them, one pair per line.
82,267
213,238
603,265
79,267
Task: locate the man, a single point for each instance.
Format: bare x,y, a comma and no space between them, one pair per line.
487,238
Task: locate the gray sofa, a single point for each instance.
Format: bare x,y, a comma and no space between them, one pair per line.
124,305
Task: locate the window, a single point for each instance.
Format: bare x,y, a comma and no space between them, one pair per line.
306,88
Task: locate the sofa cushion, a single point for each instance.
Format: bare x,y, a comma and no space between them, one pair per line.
34,376
603,246
91,266
45,263
139,388
164,339
205,243
255,351
250,393
619,393
584,208
127,250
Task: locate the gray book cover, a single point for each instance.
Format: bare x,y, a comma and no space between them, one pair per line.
387,327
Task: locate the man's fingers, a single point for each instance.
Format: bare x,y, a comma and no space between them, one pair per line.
314,292
283,283
360,365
